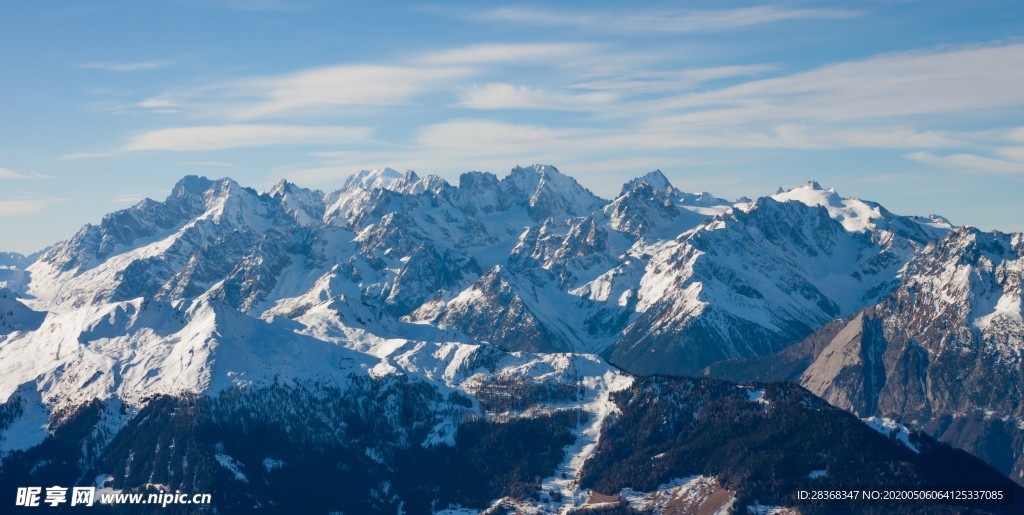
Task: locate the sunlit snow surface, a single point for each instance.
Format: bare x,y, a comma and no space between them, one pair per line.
889,427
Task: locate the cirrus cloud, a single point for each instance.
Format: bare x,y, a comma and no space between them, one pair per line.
665,21
128,67
7,173
220,137
18,207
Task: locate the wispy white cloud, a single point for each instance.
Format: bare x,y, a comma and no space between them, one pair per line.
129,66
340,86
316,91
666,21
901,84
7,173
970,163
876,136
325,90
1012,153
503,53
219,137
640,109
1015,135
662,82
159,102
510,96
26,206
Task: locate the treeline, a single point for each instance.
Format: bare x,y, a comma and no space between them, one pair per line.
304,449
518,393
764,451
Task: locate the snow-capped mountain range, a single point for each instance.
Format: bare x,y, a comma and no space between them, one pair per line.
657,279
458,287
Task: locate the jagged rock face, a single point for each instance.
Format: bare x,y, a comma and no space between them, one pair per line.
951,337
849,371
217,234
942,352
499,311
199,235
189,199
751,282
650,206
639,210
548,193
677,305
658,279
649,278
424,274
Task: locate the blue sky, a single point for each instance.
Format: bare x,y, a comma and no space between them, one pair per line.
918,105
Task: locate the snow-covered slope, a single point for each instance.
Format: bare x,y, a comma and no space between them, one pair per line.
408,307
858,215
12,270
156,297
657,279
137,349
16,316
754,279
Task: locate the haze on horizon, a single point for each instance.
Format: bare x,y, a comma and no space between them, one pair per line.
917,107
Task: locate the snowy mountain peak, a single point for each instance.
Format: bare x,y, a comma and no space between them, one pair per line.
810,193
655,179
371,179
532,178
540,170
402,283
215,190
548,192
280,188
284,187
704,199
410,245
855,215
858,215
412,184
477,180
191,185
527,180
304,205
934,222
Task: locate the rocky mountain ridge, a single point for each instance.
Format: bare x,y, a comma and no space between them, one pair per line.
495,301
